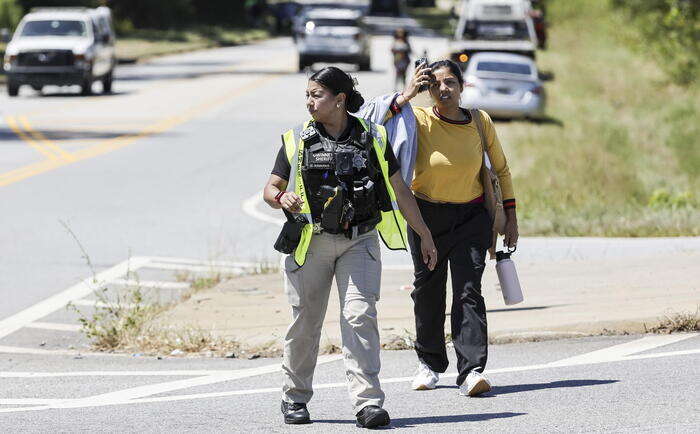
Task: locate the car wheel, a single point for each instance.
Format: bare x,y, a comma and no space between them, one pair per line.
107,82
12,88
86,87
302,64
365,65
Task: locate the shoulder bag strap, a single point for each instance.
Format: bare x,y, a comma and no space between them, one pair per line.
476,116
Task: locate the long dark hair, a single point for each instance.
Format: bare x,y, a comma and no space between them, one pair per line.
338,81
452,66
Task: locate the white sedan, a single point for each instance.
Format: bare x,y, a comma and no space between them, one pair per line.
504,85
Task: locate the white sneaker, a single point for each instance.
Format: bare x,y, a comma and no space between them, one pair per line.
426,378
475,384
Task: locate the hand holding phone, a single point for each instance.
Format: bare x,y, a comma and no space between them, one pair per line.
420,64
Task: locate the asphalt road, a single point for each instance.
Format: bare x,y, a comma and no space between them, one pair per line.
606,384
164,168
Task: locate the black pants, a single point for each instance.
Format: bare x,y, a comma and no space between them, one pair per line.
462,234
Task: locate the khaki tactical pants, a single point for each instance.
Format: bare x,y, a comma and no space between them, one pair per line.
356,265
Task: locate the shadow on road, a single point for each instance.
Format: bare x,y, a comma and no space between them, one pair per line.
68,94
518,309
516,388
409,422
196,75
6,134
61,135
547,120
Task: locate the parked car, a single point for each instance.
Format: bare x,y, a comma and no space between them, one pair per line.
333,35
504,85
62,46
494,25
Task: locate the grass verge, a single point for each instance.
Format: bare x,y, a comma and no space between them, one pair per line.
140,45
439,20
620,153
144,44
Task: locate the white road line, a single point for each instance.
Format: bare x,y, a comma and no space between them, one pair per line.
194,373
250,207
60,300
42,352
151,284
54,326
29,401
155,389
628,348
86,402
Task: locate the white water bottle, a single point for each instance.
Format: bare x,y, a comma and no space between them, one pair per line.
508,278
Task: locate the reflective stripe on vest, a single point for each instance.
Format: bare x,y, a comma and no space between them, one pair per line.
392,227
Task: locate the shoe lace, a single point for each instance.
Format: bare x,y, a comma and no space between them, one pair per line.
294,406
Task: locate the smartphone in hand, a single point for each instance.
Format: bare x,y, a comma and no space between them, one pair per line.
422,63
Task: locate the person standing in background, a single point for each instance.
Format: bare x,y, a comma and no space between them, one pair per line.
401,51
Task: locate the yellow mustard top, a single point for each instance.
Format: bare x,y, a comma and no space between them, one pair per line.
449,158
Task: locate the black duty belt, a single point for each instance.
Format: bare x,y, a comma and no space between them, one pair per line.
355,230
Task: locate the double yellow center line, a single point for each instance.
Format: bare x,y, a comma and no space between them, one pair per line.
20,125
57,157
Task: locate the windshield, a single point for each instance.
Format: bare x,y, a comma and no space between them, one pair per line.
54,28
333,23
507,67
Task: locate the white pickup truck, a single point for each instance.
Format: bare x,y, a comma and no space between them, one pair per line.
494,25
62,46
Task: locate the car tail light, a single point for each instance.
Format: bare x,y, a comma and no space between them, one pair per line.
358,36
537,90
79,58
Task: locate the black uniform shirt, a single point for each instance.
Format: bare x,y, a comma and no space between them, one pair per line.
315,178
282,167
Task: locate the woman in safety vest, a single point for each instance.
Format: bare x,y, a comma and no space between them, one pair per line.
450,195
337,179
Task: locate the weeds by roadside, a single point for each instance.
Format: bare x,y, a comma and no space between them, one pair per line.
676,322
126,320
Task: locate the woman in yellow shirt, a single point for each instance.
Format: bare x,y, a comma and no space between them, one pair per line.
449,193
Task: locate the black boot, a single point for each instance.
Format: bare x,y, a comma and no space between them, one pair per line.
372,417
295,414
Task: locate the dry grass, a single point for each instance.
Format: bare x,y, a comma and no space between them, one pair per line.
678,322
127,322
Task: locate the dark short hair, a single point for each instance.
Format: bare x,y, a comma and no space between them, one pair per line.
452,66
401,29
338,81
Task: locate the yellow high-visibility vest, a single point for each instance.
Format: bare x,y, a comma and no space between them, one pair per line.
392,227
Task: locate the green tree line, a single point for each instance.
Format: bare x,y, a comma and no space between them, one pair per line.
671,31
142,14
